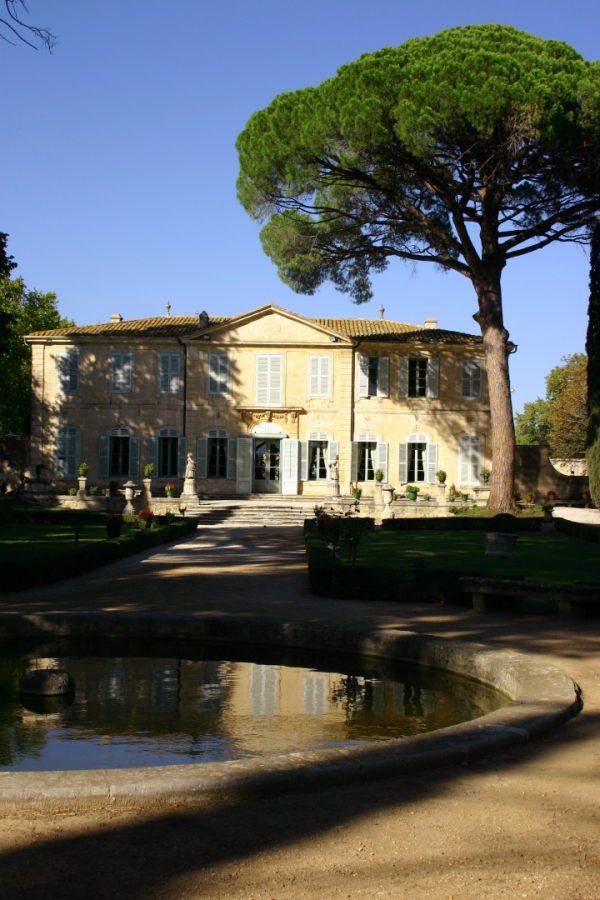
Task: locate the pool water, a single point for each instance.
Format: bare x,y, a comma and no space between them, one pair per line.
170,702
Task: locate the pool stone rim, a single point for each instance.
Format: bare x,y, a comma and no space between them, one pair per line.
541,697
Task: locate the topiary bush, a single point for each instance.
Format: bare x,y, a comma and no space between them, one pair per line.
114,525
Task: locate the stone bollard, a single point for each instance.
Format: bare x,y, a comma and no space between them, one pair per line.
129,495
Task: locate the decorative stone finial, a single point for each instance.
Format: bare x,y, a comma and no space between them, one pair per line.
381,310
431,322
168,309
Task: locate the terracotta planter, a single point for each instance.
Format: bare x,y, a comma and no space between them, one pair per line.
529,498
499,545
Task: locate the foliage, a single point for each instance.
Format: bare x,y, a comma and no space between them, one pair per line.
27,311
441,476
72,491
148,470
563,411
83,469
146,515
113,487
414,152
593,352
114,525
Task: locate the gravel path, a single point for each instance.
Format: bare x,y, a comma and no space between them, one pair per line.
518,825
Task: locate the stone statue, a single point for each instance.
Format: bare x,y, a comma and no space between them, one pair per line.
190,469
334,472
333,484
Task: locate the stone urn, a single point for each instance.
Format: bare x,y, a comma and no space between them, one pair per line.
387,491
130,488
499,545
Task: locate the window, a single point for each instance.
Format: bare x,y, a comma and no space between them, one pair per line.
121,373
68,372
169,368
119,452
317,460
418,377
269,380
168,453
367,455
417,455
417,460
373,376
218,373
67,451
367,460
470,377
319,368
217,454
469,459
315,454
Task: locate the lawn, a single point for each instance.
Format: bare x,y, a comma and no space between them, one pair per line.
29,543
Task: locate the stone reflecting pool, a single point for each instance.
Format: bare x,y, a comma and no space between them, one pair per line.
170,702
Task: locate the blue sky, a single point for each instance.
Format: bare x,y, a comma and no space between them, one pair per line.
120,167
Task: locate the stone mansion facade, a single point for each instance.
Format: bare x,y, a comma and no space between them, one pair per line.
263,400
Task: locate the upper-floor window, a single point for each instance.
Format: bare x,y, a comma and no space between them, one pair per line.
373,376
68,372
218,373
319,376
67,451
471,377
269,372
121,364
418,377
169,368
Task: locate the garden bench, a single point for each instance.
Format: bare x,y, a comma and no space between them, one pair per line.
490,593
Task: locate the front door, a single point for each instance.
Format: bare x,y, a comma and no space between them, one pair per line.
266,466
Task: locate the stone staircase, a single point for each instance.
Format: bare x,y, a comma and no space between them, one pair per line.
240,512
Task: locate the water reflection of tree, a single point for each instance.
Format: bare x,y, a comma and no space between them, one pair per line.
16,742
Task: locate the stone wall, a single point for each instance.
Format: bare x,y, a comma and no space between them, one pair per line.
15,459
535,472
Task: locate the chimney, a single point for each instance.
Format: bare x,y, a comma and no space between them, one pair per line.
203,319
431,322
116,318
168,309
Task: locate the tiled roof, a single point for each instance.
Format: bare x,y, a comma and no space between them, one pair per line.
181,326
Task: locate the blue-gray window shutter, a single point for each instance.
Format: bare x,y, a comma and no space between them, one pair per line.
61,452
181,456
201,456
153,453
72,451
164,373
103,451
134,457
231,458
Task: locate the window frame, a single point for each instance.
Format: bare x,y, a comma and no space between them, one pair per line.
320,359
220,389
167,355
64,359
66,433
470,362
114,388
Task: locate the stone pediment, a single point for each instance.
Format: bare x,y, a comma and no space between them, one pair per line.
270,325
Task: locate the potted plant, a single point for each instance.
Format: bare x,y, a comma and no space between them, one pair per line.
529,497
170,490
114,525
501,538
73,491
441,476
551,495
356,492
586,497
94,490
113,487
145,518
451,493
427,497
485,475
412,491
379,475
464,498
148,470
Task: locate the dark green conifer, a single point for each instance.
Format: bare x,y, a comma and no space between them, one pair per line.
593,353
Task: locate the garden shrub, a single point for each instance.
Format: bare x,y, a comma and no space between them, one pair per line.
114,525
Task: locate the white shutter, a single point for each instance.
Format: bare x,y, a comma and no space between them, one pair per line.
181,456
354,462
103,451
231,458
475,461
363,376
313,375
174,374
134,457
275,386
223,373
382,459
262,380
213,373
433,378
476,368
289,463
403,376
383,376
201,456
333,450
325,375
245,459
153,453
115,375
432,463
164,373
464,459
402,463
303,459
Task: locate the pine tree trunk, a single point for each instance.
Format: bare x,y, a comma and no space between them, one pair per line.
592,347
495,343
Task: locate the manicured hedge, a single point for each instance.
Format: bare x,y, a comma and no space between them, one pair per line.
90,556
458,523
578,530
40,516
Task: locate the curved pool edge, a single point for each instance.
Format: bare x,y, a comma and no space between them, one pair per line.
542,696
